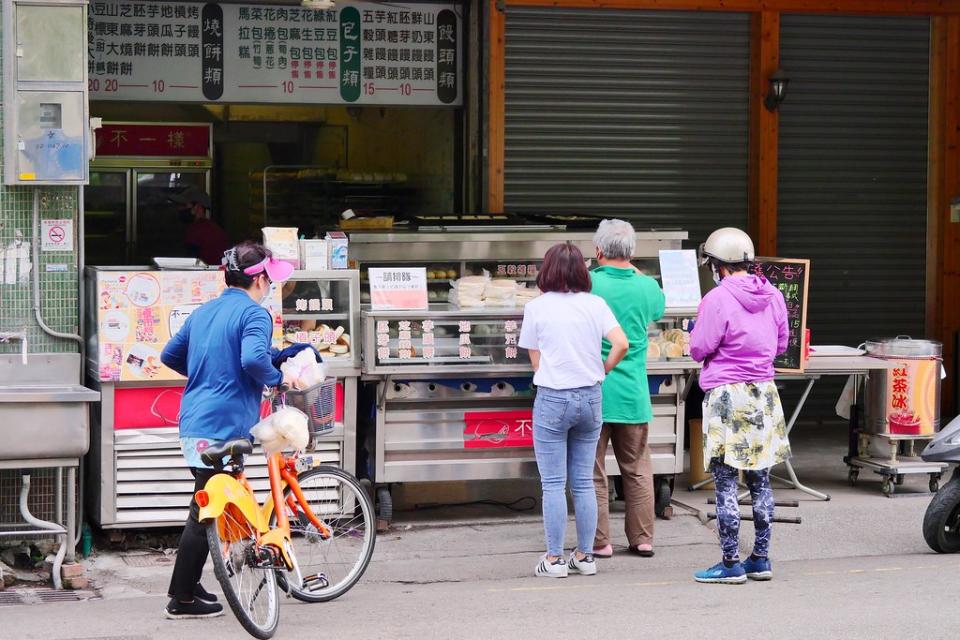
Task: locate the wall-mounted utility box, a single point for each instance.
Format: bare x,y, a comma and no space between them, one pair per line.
45,106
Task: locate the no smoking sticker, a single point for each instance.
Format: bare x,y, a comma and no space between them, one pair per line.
56,235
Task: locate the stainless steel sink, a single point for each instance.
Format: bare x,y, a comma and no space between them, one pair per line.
43,409
47,393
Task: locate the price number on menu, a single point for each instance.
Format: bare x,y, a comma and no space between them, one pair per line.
404,89
107,85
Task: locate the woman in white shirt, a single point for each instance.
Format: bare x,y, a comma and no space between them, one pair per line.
563,330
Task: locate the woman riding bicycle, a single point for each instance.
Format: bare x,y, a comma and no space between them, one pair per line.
224,351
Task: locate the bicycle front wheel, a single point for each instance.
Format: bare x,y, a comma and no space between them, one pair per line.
330,566
251,591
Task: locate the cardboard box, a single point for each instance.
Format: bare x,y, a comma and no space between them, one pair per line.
314,255
696,473
337,249
283,243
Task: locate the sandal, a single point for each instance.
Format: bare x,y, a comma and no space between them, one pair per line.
643,553
603,552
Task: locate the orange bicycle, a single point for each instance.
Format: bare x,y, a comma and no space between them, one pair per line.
314,546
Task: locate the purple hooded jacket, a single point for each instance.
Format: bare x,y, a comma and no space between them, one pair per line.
741,327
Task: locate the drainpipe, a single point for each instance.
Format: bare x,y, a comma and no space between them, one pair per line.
38,314
43,524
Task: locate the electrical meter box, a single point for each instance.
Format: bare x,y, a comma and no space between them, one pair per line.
46,134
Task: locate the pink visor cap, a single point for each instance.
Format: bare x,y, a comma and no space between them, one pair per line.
277,270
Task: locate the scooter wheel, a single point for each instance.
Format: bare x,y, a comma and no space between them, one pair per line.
941,522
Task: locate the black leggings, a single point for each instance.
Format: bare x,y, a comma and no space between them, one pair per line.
193,550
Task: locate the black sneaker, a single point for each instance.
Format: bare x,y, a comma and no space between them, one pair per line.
200,594
197,609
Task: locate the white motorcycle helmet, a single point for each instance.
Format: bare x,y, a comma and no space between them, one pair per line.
728,245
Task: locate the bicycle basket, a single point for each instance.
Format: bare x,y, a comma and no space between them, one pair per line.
318,402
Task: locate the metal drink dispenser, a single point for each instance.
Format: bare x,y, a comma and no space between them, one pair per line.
904,400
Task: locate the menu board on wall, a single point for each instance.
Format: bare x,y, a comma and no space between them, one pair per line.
792,278
354,53
139,311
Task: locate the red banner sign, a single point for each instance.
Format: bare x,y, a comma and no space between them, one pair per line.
498,429
147,407
156,407
154,140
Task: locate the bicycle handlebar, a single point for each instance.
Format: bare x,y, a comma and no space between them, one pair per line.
270,392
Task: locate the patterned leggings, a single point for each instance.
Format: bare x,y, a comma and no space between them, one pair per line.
728,511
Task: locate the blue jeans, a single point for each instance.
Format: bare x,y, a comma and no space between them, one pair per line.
566,428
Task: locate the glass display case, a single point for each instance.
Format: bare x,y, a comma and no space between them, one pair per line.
514,253
443,340
322,308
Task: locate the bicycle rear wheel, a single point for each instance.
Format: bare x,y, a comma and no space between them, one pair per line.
330,567
250,591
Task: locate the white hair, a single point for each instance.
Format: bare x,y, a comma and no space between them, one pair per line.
616,239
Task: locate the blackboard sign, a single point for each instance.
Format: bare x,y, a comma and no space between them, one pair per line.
792,278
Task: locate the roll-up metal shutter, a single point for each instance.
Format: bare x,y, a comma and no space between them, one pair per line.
852,177
639,114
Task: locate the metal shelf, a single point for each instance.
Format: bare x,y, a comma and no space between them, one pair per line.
315,315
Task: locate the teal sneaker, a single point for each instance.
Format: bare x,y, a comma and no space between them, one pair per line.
758,568
722,574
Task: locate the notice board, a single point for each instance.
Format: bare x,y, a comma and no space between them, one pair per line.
792,277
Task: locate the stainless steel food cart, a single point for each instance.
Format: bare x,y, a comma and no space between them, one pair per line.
138,477
453,396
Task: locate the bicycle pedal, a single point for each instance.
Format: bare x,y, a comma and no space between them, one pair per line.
315,582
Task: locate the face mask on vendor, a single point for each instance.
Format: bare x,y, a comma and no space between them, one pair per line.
262,288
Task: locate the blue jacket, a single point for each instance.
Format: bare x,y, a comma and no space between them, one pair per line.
224,351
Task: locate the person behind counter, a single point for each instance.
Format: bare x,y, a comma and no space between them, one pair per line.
224,351
636,300
562,330
204,238
741,327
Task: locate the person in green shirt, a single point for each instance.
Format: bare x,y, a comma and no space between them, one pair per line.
636,300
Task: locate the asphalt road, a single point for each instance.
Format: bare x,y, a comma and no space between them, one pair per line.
878,597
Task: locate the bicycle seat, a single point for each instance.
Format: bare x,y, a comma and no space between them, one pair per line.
214,454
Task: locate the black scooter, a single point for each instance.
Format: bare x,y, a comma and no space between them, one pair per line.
941,522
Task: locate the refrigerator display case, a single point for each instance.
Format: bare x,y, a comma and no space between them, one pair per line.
128,216
137,474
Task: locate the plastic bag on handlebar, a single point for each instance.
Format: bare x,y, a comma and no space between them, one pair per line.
284,354
283,430
304,370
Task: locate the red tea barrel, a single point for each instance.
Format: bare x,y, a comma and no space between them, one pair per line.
904,400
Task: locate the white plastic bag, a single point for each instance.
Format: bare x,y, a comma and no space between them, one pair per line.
304,370
467,292
285,429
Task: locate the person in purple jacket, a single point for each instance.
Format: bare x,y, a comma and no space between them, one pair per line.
741,327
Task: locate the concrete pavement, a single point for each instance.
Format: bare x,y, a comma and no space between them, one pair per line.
856,568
